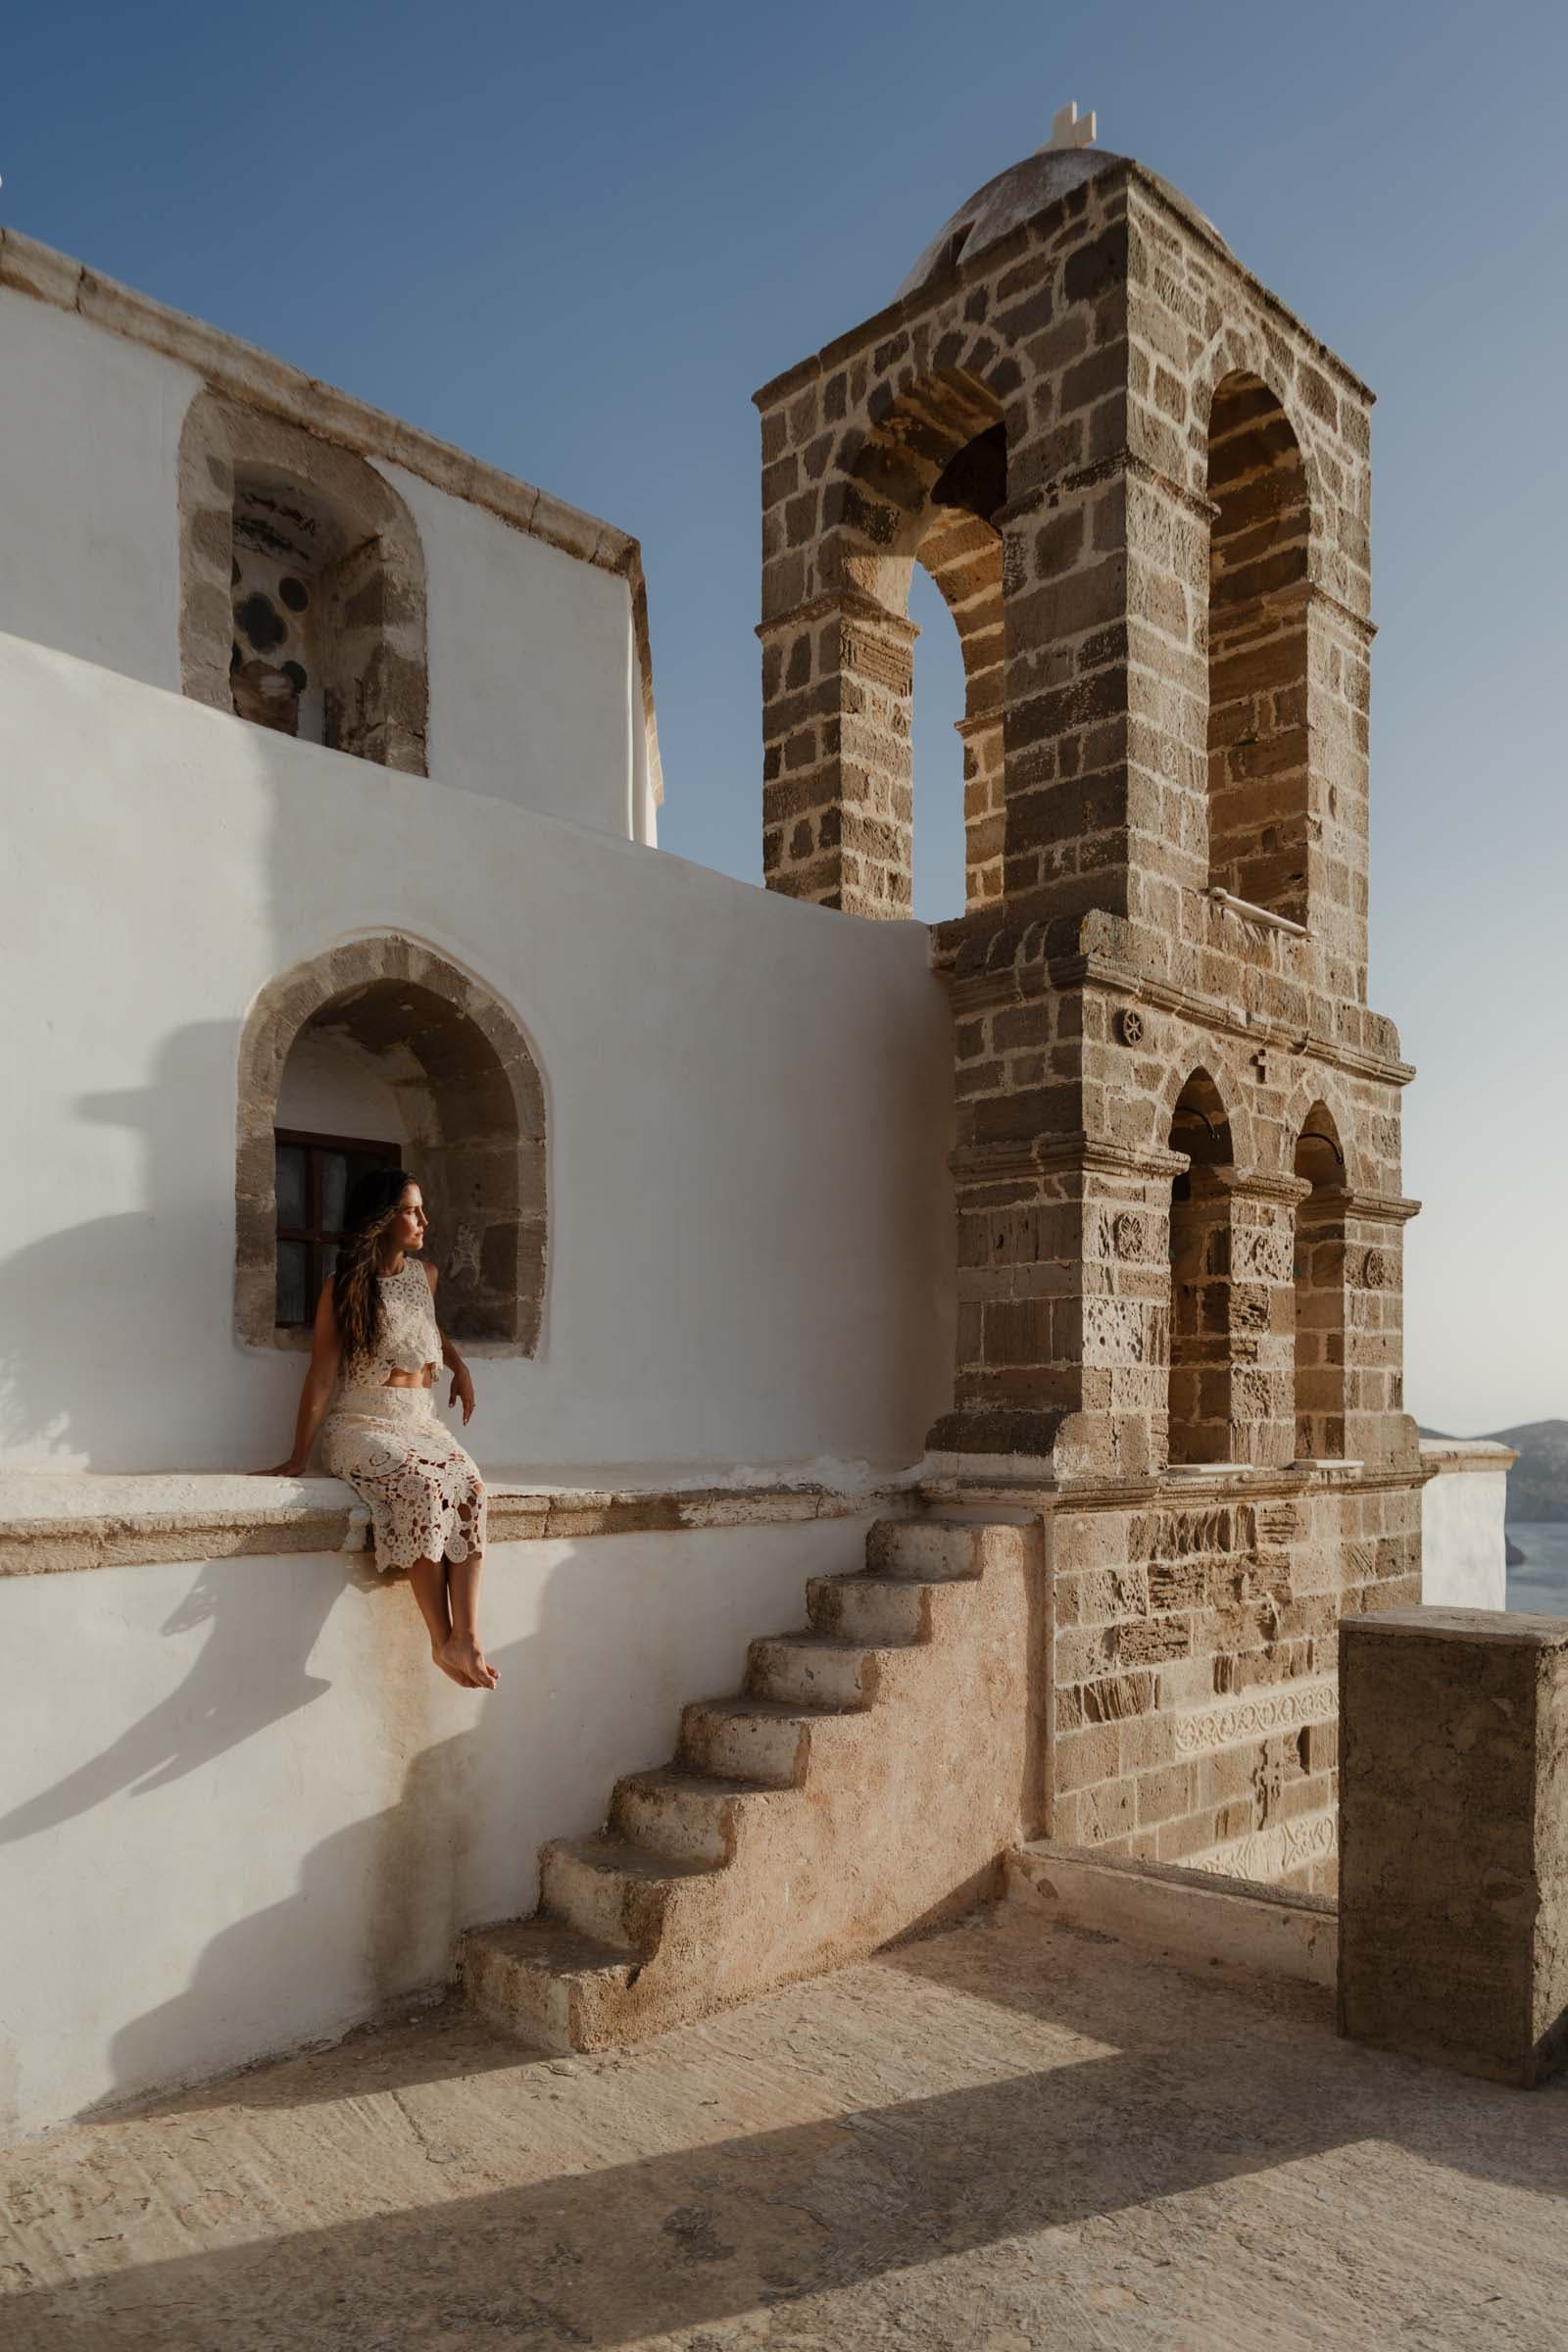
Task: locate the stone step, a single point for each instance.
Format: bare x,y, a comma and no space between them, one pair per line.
609,1890
534,1976
813,1670
886,1611
751,1739
689,1816
937,1549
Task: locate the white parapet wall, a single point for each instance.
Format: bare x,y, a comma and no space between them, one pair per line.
1464,1560
242,1811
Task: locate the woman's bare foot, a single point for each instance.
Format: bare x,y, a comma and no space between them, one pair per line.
450,1671
465,1662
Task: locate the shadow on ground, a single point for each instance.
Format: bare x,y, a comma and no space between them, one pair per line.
1125,2105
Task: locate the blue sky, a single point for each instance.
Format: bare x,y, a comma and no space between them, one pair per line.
575,242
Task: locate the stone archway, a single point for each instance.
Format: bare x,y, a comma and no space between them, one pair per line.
354,543
923,485
475,1116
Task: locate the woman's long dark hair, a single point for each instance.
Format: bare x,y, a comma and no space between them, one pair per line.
373,1206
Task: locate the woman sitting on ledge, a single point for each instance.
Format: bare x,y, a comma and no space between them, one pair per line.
376,1323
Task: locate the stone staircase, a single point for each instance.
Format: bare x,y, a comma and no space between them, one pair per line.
870,1777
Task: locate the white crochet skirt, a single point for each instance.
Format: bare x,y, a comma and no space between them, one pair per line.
425,1495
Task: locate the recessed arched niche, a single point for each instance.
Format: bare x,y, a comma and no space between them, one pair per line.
303,590
375,1051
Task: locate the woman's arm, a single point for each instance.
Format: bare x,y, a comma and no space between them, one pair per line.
326,1354
461,1379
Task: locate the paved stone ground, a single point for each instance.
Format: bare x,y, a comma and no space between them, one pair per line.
1000,2138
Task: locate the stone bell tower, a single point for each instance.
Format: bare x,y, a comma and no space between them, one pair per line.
1143,489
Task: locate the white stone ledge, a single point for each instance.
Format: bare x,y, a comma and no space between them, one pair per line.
1446,1457
55,1523
1191,1916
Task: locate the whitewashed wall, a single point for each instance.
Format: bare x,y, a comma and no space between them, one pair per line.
258,1813
530,652
1463,1562
750,1103
89,462
529,648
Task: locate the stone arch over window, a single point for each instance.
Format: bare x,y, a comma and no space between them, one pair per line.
1199,1389
303,590
471,1106
1259,562
1320,1279
923,486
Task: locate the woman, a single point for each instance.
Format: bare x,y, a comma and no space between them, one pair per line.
376,1323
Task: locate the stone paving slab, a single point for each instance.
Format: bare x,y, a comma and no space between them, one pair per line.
997,2139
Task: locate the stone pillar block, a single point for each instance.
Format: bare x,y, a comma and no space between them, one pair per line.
837,806
1454,1797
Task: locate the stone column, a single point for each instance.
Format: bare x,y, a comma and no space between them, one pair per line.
1320,1267
1262,1318
837,769
984,805
1454,1829
1061,1298
1339,690
1376,1428
1233,1312
1198,1395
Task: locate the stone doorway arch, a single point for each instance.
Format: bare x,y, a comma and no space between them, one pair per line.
474,1112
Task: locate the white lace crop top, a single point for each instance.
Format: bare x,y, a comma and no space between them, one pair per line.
410,1336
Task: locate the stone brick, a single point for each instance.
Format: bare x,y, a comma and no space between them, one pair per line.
1453,1900
1162,706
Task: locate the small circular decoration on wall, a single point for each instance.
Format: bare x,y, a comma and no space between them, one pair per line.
260,622
1130,1025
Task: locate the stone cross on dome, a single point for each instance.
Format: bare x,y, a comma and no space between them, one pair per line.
1066,130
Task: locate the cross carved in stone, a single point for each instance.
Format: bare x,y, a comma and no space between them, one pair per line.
1259,1063
1066,130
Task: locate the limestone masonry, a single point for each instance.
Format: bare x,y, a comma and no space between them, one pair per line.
1144,489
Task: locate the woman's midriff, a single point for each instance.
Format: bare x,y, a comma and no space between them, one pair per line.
411,1380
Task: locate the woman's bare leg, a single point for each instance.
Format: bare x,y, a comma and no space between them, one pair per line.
428,1581
462,1655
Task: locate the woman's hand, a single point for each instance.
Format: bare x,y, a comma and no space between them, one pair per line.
288,1469
462,1392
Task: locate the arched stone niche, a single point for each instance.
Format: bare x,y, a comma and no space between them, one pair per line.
473,1114
348,631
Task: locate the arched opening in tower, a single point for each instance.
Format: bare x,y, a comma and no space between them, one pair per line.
1320,1317
958,799
1258,748
1200,1384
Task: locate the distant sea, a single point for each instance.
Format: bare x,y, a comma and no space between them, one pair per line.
1542,1582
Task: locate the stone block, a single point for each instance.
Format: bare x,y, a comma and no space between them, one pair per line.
1454,1838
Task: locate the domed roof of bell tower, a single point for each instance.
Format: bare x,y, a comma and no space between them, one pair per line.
1029,187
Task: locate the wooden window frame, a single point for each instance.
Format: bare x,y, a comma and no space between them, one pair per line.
314,1233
